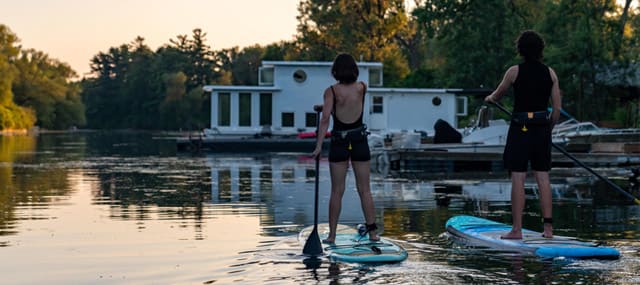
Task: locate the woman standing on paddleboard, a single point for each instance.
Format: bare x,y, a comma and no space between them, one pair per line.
529,137
344,101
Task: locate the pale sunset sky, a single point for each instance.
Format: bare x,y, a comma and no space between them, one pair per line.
73,31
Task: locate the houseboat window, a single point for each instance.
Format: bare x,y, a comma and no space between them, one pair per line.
310,120
224,185
461,106
287,119
375,76
436,101
265,76
245,182
244,109
266,182
377,104
310,174
288,174
266,106
299,76
224,109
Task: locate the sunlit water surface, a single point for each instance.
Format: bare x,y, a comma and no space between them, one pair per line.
125,208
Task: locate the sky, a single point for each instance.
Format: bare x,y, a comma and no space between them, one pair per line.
73,31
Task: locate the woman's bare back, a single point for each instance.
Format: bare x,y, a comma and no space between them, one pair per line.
348,101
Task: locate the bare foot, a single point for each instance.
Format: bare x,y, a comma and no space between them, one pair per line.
329,240
548,231
512,235
373,236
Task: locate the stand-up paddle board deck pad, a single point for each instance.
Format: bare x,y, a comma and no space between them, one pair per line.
483,232
349,246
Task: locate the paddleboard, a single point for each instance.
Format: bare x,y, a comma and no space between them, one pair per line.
351,247
483,232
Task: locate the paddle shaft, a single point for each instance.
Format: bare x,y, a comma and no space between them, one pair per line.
318,110
315,211
560,149
313,245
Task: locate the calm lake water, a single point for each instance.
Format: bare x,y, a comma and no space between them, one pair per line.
124,208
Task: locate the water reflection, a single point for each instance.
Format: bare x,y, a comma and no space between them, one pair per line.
131,207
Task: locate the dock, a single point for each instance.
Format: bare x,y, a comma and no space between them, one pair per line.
484,159
248,144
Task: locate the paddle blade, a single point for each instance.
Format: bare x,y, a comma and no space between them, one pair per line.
313,246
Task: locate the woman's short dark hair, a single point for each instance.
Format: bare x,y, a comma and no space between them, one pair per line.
345,69
530,45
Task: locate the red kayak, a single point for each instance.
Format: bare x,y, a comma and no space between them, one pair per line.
309,135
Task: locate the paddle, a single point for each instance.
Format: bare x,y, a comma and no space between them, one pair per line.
560,149
313,246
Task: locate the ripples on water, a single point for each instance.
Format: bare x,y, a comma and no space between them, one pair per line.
124,208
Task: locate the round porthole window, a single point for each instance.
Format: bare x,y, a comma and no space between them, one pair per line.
299,76
436,101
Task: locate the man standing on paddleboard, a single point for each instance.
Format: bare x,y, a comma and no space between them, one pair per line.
529,136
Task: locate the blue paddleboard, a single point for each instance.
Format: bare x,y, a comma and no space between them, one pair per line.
483,232
351,247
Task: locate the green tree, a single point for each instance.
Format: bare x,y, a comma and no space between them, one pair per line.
581,39
8,53
44,85
366,29
12,116
104,95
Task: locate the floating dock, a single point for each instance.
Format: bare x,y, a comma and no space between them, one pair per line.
485,159
248,144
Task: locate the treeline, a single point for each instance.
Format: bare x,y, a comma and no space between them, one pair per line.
36,89
594,46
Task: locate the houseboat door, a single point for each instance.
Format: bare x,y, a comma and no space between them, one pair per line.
377,116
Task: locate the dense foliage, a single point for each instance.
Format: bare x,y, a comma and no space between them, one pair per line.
35,89
593,45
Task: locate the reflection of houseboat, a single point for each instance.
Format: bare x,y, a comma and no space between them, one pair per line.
282,103
284,186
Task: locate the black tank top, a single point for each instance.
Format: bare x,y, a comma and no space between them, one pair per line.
339,125
532,87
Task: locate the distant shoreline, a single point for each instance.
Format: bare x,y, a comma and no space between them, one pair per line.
11,132
36,131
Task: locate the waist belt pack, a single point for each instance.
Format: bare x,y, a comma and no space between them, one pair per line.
350,135
531,118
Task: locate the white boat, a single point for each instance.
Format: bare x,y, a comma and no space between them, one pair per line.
573,131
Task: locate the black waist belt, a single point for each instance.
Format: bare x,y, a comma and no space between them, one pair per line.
344,133
540,117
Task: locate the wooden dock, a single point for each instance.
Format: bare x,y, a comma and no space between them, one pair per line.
485,159
247,144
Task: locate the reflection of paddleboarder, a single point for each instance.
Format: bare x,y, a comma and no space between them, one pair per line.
529,137
344,101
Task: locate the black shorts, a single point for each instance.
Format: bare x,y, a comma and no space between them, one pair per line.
532,145
354,146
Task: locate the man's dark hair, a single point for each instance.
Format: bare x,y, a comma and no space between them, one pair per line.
530,45
345,69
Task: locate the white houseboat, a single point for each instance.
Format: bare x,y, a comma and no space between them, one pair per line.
282,103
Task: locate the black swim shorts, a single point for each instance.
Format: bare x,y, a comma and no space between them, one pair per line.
532,145
354,146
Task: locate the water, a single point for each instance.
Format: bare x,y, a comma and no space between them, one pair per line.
124,208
